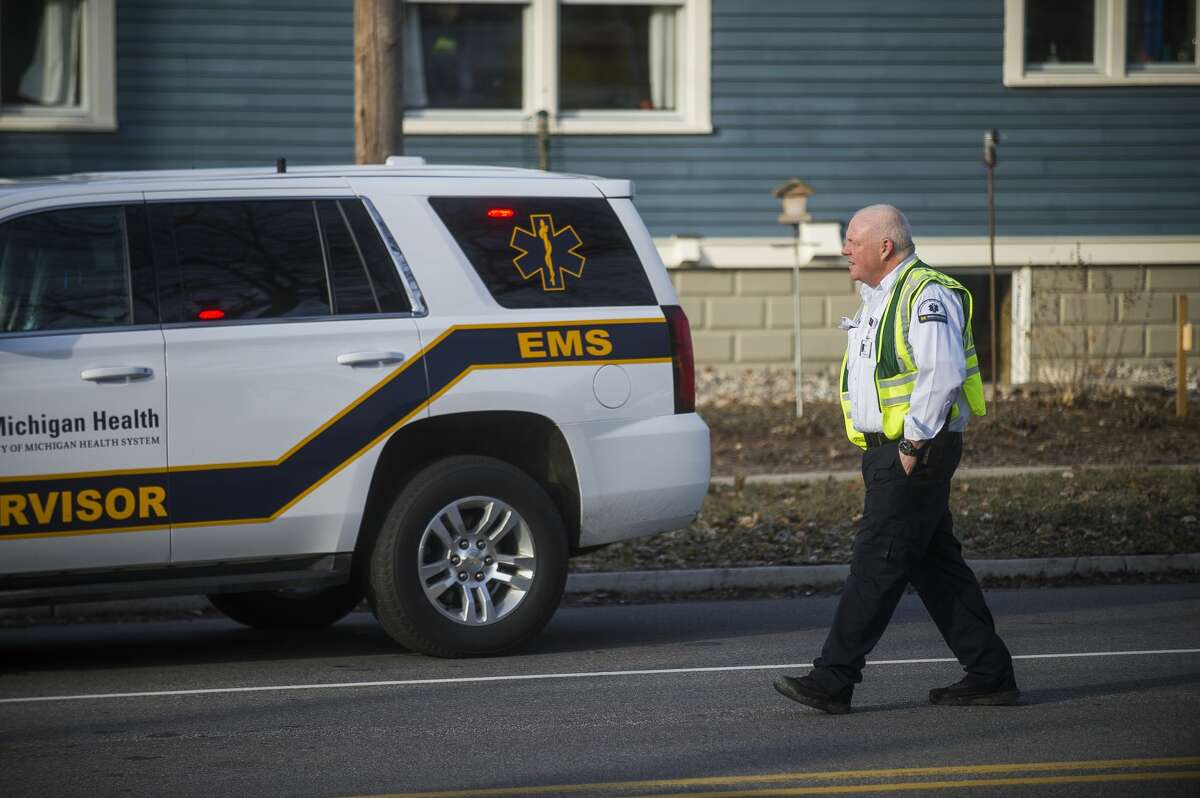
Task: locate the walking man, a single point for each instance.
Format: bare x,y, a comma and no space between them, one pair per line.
909,382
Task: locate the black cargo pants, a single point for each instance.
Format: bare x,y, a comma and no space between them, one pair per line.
907,536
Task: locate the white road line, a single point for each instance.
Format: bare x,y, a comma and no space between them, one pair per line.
540,676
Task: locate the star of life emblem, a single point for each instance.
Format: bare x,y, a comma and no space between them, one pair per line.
547,252
931,310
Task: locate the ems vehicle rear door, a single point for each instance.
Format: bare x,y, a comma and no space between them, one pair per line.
289,336
82,390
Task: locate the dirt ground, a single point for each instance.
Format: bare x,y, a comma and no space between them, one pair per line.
757,439
1073,513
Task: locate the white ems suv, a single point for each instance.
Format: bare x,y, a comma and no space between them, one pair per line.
428,385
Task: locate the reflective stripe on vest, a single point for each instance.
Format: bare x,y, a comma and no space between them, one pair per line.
895,371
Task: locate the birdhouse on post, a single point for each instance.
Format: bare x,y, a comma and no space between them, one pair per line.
793,199
793,196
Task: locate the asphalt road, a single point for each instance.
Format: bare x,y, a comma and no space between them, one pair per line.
675,697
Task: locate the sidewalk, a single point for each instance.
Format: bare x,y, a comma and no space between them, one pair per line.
985,472
782,577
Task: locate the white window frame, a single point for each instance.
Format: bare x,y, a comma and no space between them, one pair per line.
540,91
97,109
1109,67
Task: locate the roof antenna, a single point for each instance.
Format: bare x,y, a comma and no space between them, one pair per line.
281,165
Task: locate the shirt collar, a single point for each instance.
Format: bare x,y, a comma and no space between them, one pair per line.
868,293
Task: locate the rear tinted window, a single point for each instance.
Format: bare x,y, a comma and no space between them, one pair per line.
247,260
536,253
262,259
364,278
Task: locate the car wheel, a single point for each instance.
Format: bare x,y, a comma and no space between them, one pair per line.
471,559
289,609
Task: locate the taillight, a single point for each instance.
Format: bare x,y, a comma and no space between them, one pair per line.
682,359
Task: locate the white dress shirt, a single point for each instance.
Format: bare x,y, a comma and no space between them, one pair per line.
937,350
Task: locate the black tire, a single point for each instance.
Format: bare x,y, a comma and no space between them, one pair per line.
394,584
289,609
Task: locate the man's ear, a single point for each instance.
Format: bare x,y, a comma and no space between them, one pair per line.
886,248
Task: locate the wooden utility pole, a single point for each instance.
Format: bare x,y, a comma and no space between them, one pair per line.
378,80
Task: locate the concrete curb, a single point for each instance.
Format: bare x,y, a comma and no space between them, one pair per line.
683,582
775,577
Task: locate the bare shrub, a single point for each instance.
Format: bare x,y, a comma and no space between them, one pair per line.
1081,359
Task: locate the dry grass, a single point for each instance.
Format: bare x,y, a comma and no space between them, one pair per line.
1143,430
1074,513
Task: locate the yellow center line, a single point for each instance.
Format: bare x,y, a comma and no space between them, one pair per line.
926,786
840,775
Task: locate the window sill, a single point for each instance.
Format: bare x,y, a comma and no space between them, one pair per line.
1139,78
518,123
18,120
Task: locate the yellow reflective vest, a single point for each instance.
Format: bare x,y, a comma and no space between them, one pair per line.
895,371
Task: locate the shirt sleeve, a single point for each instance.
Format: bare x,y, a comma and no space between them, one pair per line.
935,340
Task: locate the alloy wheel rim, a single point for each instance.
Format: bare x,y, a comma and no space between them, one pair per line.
476,560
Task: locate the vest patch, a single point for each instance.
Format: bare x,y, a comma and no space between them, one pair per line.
932,310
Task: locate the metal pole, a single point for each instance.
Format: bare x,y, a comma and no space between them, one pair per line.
1181,347
989,159
543,140
796,321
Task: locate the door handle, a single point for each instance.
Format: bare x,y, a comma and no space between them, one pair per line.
369,358
105,373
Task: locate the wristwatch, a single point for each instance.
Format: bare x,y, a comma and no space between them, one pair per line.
907,447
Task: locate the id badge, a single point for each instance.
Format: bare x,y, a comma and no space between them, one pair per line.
866,345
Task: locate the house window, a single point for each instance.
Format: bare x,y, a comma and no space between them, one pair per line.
1161,34
463,55
57,65
1100,42
616,57
596,66
1059,33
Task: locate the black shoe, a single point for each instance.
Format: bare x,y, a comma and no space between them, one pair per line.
972,691
806,690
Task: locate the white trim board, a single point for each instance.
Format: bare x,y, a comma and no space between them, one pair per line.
1021,331
821,248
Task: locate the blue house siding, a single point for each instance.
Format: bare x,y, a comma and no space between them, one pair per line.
233,83
888,101
867,101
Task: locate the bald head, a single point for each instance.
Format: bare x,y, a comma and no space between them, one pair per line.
889,224
878,239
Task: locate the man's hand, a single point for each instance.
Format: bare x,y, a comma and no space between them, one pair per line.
909,461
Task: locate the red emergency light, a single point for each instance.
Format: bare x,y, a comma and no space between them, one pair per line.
212,315
501,213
